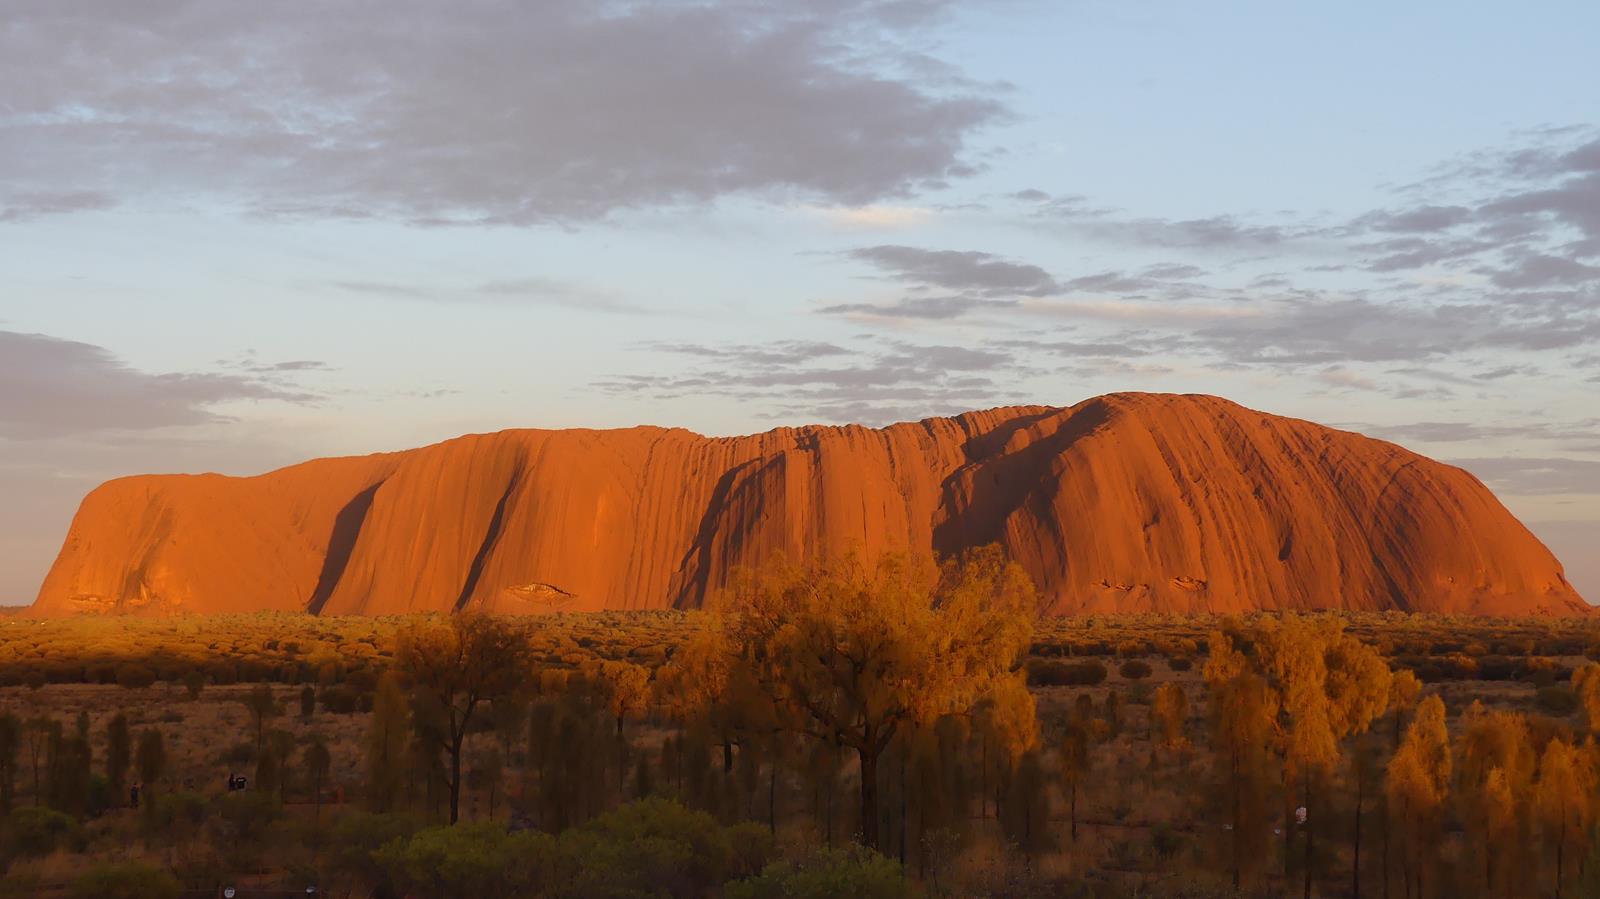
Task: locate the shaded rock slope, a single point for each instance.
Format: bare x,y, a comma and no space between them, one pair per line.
1123,503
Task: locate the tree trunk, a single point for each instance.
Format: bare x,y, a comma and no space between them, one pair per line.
1288,826
1308,828
869,798
903,808
772,797
1384,820
828,814
983,779
1238,815
455,777
1072,805
1355,864
1561,840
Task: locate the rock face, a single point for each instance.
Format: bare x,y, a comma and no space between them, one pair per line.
1124,503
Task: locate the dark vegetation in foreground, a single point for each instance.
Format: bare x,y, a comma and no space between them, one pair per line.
895,732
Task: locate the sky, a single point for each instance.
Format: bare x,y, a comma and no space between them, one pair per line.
236,235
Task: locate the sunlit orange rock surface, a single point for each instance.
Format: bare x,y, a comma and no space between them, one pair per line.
1128,502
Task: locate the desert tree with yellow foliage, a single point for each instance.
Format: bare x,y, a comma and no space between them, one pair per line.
1564,802
859,651
1416,787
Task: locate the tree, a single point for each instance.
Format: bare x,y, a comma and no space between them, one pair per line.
269,774
1169,708
1364,770
510,715
1025,818
694,685
1244,715
68,771
262,707
119,752
318,761
1565,803
454,668
386,744
1006,724
151,757
859,652
36,732
10,741
486,774
1074,759
1494,766
1586,685
308,702
627,689
1404,689
280,746
1331,686
1416,787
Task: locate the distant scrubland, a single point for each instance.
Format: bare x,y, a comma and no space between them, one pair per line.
904,730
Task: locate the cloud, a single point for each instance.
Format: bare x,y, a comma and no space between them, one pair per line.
1460,431
874,217
27,206
523,291
53,387
1532,270
926,308
482,111
1218,232
882,382
1426,218
1535,475
981,274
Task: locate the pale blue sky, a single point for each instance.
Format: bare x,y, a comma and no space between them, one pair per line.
234,235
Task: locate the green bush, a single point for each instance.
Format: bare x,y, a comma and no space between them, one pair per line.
35,830
1065,674
339,700
1134,669
481,860
1556,700
357,836
135,677
829,874
749,849
125,880
650,847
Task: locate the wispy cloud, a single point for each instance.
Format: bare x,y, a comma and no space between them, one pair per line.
52,387
474,113
520,291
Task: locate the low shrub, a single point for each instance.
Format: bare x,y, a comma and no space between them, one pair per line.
1043,673
125,880
828,873
35,830
1556,700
